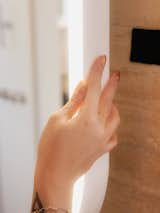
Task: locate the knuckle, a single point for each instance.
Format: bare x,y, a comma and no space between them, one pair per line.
55,118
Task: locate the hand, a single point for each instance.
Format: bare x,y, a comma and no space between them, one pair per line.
78,134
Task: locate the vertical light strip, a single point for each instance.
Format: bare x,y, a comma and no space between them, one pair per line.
75,40
96,42
88,38
75,46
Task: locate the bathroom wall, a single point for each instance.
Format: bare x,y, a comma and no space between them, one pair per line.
134,182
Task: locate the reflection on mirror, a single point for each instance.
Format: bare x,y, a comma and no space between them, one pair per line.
51,134
33,85
42,58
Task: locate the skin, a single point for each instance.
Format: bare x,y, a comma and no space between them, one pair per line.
75,137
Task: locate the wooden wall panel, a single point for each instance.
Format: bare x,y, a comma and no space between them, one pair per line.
134,182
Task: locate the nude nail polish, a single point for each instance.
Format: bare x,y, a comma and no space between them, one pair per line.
118,76
103,59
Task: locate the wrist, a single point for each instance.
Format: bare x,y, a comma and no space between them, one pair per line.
54,192
58,196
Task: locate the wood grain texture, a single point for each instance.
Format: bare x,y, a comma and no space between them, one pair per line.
134,182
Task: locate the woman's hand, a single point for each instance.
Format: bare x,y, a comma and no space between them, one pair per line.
76,136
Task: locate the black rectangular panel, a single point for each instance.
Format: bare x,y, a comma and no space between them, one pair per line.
145,46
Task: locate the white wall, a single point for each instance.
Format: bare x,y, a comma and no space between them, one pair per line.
29,64
47,61
16,119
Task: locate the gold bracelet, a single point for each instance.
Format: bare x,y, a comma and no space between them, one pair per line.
54,210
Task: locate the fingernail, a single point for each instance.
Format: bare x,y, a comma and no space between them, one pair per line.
103,59
117,76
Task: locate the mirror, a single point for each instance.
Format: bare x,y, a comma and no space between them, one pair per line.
46,47
42,44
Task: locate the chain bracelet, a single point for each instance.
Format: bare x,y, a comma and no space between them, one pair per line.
54,210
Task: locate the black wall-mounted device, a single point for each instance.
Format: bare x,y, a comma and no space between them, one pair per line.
145,46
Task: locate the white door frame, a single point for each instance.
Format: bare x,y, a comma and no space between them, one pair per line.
88,38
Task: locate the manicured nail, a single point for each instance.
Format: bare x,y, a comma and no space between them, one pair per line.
117,76
103,59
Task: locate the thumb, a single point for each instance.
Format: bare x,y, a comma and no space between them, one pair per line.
77,99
